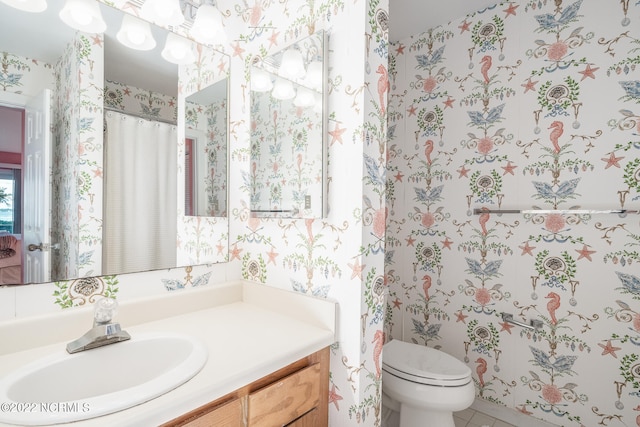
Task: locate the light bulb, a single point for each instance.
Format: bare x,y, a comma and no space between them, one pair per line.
135,33
178,50
283,90
83,15
162,12
317,103
314,75
292,66
304,98
260,80
135,36
207,27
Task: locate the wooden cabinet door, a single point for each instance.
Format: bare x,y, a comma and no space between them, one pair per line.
310,419
287,399
225,415
294,396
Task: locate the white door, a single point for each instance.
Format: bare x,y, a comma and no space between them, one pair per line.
36,165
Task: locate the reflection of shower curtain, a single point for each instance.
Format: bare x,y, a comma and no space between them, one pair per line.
140,204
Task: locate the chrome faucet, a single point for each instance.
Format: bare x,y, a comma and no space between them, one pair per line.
104,331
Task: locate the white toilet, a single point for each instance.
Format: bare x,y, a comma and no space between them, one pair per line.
424,385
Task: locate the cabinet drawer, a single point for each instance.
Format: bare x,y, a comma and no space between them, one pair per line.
287,399
310,419
225,415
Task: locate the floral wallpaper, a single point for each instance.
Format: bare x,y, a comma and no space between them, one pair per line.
528,107
24,75
129,99
340,256
77,159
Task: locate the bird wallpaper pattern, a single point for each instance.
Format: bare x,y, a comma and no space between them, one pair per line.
529,108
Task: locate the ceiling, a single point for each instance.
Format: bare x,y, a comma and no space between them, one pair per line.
410,17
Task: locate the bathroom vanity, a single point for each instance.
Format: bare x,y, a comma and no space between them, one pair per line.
294,396
267,364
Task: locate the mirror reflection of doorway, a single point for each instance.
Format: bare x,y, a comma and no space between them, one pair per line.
189,171
25,156
11,135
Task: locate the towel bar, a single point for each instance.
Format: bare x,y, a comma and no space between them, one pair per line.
478,211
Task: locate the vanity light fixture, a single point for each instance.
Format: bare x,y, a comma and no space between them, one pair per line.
162,12
207,26
135,33
260,80
83,15
292,65
283,90
27,5
317,103
178,50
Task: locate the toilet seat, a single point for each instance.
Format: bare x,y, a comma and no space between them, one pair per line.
424,365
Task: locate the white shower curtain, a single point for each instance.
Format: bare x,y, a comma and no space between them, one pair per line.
140,203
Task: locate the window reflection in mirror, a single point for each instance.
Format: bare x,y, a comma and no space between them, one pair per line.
206,151
288,143
9,200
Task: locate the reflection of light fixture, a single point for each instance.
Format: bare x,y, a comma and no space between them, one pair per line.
313,78
177,50
292,66
83,15
260,80
304,98
283,90
317,103
27,5
162,12
207,27
135,33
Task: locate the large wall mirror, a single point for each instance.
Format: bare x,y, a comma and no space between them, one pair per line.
130,158
288,131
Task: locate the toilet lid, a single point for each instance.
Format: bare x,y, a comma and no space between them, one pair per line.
423,364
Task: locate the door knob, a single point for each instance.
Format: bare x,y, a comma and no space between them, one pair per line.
33,247
43,247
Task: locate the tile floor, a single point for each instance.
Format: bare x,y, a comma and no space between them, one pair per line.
472,418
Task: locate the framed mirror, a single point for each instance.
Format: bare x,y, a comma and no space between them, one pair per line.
88,77
288,131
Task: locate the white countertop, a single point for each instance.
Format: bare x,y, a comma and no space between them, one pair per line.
250,330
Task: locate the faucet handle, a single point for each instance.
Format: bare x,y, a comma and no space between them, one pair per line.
105,310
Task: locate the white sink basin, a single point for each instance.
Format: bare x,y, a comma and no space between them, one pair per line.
67,387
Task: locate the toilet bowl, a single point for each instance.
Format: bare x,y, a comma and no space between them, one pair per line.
424,385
